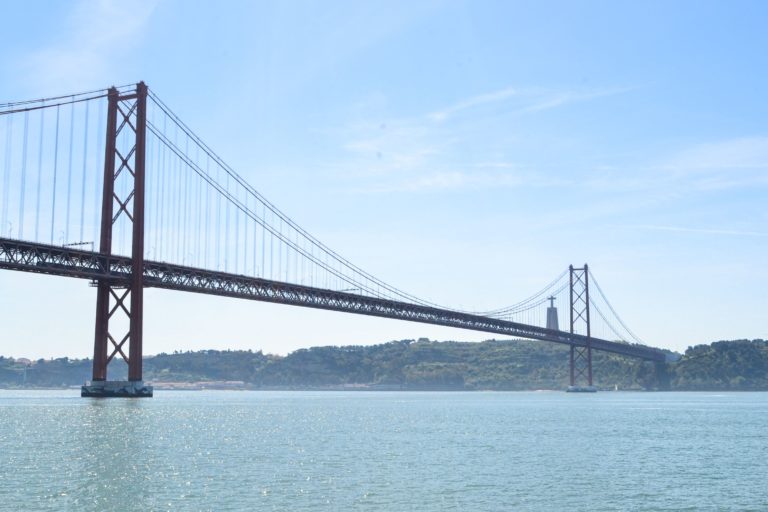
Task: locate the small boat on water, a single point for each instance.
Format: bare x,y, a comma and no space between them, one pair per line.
581,389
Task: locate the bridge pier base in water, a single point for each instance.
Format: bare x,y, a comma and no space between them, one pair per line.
116,389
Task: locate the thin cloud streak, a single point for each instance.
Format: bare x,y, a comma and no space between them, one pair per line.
532,100
475,101
419,148
703,231
732,154
709,167
95,35
461,180
555,100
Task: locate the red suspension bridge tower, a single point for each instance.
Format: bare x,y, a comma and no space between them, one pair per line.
581,356
120,303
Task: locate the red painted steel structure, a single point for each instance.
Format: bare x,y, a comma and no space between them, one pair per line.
70,262
121,279
125,112
581,356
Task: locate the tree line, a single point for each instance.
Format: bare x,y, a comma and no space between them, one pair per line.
424,365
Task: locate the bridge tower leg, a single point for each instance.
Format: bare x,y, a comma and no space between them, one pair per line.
581,356
119,302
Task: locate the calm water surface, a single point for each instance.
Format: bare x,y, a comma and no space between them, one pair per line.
388,451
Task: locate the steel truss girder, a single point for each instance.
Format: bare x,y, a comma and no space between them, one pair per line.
70,262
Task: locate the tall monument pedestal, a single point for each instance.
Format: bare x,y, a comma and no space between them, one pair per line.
552,315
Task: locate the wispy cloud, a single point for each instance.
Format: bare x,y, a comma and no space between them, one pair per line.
736,163
474,101
505,176
450,148
526,100
445,180
733,154
702,231
95,35
400,146
550,100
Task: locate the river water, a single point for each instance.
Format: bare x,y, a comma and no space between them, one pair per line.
389,451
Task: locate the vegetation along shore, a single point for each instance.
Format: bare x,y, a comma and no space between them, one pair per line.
739,365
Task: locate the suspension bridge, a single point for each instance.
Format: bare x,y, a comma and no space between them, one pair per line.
112,187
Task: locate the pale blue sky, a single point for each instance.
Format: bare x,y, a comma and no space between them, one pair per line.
464,151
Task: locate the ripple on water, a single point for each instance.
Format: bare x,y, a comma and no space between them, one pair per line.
384,451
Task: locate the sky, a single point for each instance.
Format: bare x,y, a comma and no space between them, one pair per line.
466,152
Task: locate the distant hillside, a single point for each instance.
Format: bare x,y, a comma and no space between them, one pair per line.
723,365
423,364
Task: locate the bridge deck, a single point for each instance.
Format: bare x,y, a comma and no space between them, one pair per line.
70,262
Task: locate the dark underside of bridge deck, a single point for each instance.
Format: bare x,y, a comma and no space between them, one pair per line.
69,262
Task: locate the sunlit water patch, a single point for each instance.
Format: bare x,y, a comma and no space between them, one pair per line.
383,451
